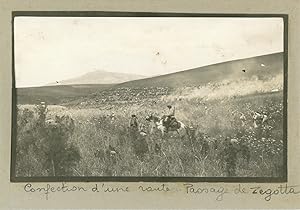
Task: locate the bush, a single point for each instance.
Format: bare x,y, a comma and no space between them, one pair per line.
43,146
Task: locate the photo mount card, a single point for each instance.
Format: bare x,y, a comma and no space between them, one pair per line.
140,104
41,182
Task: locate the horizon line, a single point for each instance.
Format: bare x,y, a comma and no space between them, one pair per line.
146,77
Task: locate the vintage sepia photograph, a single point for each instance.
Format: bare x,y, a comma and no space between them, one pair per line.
149,97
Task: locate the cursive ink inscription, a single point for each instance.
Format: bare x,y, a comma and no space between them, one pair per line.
47,189
281,190
161,188
217,191
220,191
108,189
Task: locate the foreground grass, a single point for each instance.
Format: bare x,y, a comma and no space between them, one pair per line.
211,122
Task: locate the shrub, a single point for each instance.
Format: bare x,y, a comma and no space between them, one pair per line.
43,146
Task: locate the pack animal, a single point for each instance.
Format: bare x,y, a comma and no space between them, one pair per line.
177,126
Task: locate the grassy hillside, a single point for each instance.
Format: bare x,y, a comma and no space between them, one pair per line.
216,103
261,67
204,154
239,77
56,94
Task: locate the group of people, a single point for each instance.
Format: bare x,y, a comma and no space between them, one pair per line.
168,119
257,118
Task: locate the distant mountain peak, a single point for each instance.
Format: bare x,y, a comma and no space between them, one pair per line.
100,77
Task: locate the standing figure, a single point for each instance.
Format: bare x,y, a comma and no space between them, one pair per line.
264,117
243,119
169,117
205,147
133,126
230,157
256,116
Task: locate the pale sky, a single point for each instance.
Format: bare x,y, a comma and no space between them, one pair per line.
49,49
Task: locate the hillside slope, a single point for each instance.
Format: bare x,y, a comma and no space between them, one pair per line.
261,67
234,78
56,94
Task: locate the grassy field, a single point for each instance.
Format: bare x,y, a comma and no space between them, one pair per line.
101,126
56,94
84,130
261,73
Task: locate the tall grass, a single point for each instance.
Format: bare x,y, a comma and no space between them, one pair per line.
43,146
204,153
